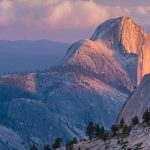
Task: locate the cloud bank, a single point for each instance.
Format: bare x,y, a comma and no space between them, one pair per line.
39,17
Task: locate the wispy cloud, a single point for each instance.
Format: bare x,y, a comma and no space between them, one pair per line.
64,14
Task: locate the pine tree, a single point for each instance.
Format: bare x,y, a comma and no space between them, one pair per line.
90,130
122,123
47,147
74,141
135,120
146,117
126,131
69,146
114,130
57,143
106,135
97,129
101,132
33,147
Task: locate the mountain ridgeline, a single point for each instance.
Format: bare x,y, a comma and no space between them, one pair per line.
25,55
92,84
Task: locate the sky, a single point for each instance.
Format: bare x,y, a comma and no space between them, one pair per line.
65,20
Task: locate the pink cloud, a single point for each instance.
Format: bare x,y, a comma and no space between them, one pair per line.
67,15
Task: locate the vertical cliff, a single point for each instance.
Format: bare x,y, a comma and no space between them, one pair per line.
138,102
126,37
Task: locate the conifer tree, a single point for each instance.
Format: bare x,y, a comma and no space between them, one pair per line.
102,133
125,131
69,146
135,120
114,130
47,147
122,123
97,130
33,147
57,143
74,141
146,117
90,130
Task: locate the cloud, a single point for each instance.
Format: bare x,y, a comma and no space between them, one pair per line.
77,14
64,14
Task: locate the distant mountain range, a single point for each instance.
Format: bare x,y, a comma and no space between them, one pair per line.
92,83
24,55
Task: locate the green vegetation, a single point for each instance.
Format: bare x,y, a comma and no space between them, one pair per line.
90,130
114,130
146,117
122,123
57,143
102,134
135,120
95,131
33,147
47,147
69,145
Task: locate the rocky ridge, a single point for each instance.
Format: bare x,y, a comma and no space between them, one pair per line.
138,139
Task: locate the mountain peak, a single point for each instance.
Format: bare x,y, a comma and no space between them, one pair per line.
126,41
113,31
126,37
125,18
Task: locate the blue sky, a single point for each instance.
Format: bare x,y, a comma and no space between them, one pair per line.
65,20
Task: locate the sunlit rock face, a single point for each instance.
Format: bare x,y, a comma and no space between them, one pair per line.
103,61
24,81
110,52
138,102
125,36
135,40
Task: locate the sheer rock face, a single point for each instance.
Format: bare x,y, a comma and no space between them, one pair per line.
124,40
122,34
135,40
127,37
138,102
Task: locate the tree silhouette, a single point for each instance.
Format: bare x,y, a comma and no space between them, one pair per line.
47,147
135,120
114,130
146,117
57,143
90,130
33,147
122,123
